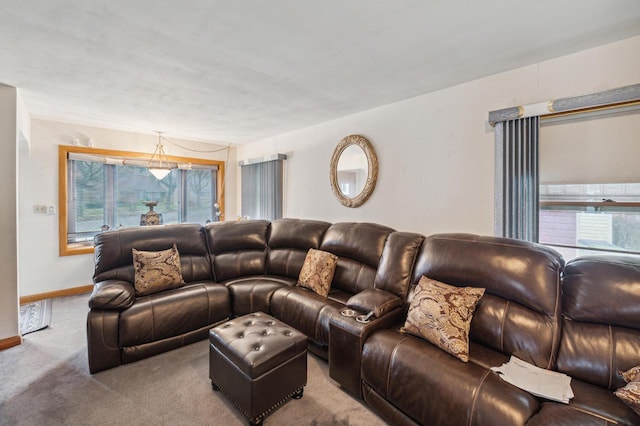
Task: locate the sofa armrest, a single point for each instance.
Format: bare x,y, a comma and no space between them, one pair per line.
346,340
376,300
112,295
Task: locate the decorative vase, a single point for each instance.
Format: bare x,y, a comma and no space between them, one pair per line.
151,217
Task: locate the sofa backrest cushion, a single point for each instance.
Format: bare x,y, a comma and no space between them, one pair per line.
519,313
397,262
601,308
289,242
114,259
238,248
359,247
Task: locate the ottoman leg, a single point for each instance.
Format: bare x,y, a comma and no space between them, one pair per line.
214,386
298,394
257,422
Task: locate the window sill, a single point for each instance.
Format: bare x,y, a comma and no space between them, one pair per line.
75,248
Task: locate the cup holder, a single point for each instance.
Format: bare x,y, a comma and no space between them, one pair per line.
362,319
348,313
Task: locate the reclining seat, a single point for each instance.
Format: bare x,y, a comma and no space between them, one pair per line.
272,256
359,247
600,336
123,327
408,380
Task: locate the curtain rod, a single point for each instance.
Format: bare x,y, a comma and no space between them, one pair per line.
273,157
622,96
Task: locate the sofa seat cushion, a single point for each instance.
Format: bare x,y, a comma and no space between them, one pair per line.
252,294
173,312
555,414
306,311
596,402
433,387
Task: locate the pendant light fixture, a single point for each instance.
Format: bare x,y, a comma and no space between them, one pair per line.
161,166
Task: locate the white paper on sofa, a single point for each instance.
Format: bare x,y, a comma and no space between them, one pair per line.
535,380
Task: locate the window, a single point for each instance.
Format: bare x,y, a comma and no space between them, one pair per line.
582,142
590,183
102,189
579,219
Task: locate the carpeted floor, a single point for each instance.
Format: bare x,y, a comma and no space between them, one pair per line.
46,381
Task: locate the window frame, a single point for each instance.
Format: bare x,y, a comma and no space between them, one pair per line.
70,249
599,206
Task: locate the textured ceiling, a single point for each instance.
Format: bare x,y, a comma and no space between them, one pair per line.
238,71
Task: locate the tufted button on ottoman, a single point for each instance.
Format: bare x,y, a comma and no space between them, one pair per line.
258,362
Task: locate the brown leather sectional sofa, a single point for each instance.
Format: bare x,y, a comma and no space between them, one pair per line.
589,332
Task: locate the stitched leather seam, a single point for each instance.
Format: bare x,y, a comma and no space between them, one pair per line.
104,342
208,304
238,272
600,416
412,269
504,318
557,323
287,265
252,298
476,392
391,358
355,282
153,322
317,323
611,343
120,262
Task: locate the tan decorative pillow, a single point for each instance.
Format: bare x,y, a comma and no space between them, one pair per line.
317,271
156,270
442,314
630,395
631,375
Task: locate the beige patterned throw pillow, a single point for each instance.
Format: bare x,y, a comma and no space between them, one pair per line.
317,271
630,394
156,270
631,374
442,314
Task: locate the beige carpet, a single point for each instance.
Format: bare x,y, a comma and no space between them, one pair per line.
46,381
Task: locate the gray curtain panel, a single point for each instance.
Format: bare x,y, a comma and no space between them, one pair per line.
516,179
262,194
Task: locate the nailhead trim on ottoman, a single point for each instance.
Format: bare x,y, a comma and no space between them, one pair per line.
258,362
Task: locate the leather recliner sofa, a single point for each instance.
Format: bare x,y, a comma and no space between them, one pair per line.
589,332
407,380
582,319
232,268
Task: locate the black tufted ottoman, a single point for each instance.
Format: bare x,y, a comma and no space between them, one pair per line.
258,362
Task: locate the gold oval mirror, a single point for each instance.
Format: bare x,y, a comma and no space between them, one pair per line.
354,170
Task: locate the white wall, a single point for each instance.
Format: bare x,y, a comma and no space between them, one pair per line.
436,151
41,268
8,213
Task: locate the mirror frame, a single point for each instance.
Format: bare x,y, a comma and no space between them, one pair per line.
372,172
